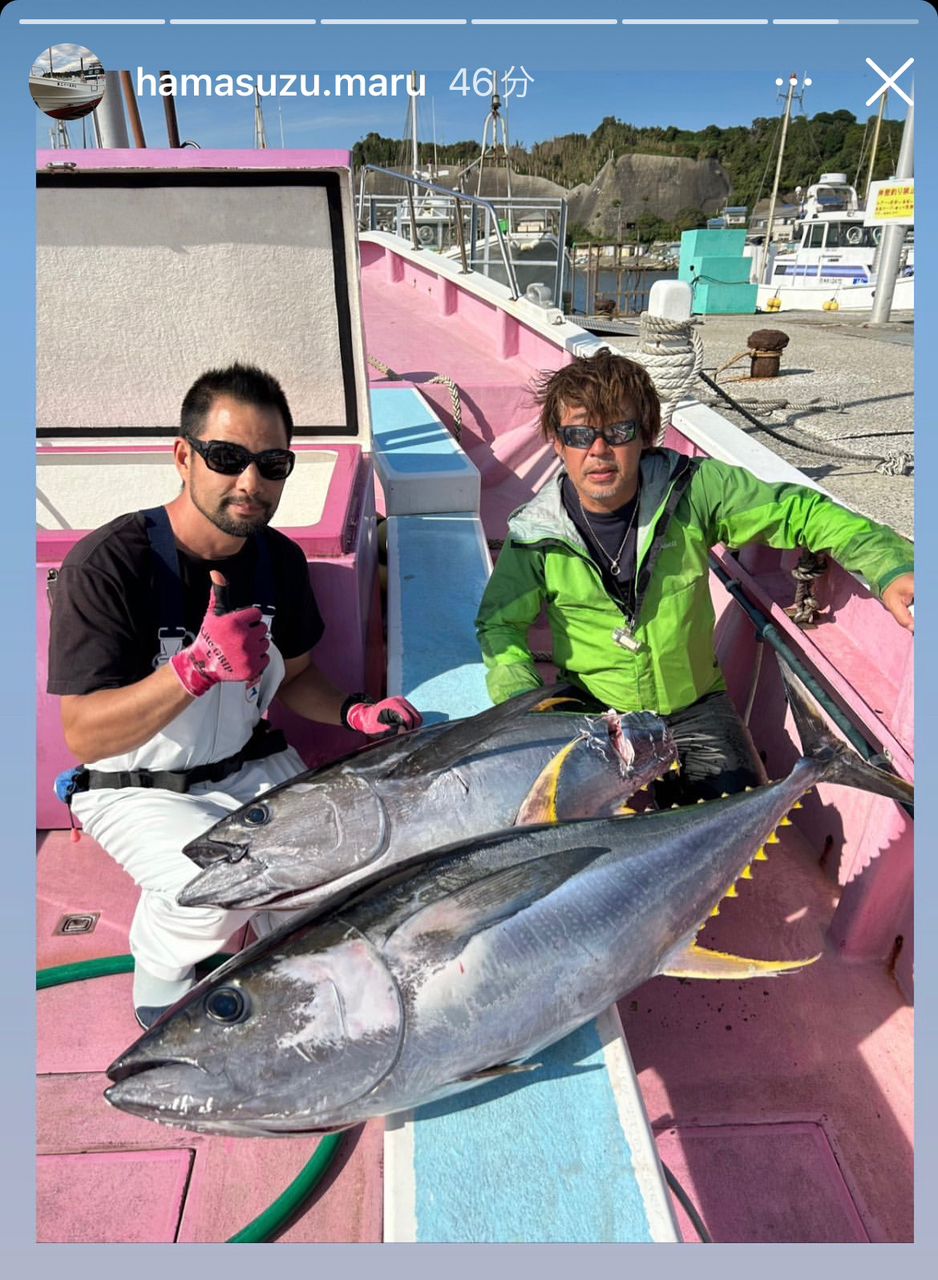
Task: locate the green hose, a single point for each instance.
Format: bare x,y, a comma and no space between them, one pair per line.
273,1219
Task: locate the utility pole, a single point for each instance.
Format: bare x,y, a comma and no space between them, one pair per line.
792,86
893,236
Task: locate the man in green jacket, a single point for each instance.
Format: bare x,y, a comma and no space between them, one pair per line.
616,546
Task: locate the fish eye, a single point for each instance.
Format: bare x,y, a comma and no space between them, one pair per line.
257,815
226,1004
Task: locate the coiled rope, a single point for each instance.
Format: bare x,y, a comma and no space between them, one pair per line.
672,352
441,378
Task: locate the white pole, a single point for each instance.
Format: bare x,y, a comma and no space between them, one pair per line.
893,236
109,115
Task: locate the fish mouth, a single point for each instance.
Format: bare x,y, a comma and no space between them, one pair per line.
127,1067
221,884
157,1088
206,853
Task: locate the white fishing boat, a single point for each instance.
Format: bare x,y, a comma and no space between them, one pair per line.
66,97
835,258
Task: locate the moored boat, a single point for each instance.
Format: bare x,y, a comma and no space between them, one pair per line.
835,259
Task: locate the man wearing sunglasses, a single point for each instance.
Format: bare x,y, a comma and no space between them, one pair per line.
616,548
172,631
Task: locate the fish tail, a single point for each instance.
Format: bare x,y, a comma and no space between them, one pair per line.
834,761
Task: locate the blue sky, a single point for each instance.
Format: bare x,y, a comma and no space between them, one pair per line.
688,76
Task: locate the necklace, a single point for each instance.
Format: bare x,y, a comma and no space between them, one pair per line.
613,560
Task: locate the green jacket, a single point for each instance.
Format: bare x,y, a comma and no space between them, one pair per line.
545,562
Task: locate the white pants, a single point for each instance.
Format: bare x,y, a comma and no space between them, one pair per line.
145,831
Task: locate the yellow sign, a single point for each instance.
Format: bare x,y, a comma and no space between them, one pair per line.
892,201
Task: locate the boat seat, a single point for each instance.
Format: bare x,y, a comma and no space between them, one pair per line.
569,1156
421,467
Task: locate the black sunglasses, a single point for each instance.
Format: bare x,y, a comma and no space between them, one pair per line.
231,459
615,433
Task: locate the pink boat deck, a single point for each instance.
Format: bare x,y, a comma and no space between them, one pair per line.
784,1107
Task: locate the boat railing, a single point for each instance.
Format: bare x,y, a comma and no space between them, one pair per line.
483,233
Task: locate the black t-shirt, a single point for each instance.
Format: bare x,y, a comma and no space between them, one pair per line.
106,604
609,530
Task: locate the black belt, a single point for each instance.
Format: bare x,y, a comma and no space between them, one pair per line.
262,743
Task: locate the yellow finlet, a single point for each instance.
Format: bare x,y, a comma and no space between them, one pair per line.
625,812
773,839
746,873
731,892
715,911
797,805
760,856
698,962
785,822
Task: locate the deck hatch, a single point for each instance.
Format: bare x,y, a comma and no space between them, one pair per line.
78,922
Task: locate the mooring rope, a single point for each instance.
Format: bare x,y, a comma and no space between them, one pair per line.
441,378
672,352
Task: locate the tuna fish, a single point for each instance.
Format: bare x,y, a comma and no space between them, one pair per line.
333,827
460,966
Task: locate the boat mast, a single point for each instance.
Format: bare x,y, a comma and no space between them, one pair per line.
414,146
879,125
792,85
260,130
494,119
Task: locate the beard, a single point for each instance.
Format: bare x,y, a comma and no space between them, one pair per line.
228,520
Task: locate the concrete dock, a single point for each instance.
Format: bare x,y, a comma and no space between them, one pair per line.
841,409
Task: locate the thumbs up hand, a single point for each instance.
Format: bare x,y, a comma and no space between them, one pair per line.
231,645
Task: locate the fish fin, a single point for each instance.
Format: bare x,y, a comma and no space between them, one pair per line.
503,1069
697,962
551,704
460,738
471,907
838,762
540,804
746,873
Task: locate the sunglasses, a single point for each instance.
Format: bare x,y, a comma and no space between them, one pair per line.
583,437
231,459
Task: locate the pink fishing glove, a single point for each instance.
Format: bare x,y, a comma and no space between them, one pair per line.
376,718
229,646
